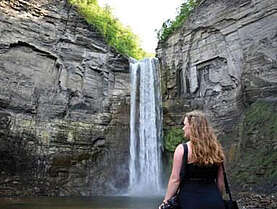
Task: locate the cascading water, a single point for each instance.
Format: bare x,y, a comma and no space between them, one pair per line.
145,127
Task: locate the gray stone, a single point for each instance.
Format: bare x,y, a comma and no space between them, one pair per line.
67,92
232,45
223,61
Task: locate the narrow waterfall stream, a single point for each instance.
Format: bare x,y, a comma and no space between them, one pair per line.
145,127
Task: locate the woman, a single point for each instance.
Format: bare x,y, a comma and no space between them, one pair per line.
202,181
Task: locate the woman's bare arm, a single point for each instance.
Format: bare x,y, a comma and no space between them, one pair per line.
174,179
220,179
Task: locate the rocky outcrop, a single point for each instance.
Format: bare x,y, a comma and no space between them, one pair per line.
223,61
64,103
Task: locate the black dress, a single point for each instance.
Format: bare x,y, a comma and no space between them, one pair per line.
198,189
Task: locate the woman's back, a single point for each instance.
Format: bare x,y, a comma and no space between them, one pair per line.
198,188
194,171
202,178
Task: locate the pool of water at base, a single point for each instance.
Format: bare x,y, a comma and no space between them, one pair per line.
121,202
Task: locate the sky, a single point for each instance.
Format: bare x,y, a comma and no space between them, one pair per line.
144,16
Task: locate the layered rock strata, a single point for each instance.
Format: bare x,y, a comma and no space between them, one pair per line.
64,103
223,60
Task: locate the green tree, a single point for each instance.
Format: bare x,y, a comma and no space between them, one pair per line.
170,26
120,37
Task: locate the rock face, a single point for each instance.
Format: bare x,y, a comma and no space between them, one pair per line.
255,166
64,103
223,60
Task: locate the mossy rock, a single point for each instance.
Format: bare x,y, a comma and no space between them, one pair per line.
255,166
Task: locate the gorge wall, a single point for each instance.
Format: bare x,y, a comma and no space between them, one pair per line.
224,62
64,103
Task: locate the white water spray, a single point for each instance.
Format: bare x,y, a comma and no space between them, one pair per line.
145,127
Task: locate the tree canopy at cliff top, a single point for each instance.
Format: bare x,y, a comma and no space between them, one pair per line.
170,26
116,35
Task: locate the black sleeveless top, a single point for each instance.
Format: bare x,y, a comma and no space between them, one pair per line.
198,189
195,173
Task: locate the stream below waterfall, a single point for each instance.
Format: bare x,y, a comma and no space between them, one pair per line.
121,202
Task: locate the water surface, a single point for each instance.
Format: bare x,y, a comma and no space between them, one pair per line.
81,203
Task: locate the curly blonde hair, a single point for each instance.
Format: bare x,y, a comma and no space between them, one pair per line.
206,149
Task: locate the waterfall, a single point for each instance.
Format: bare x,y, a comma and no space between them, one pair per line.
145,129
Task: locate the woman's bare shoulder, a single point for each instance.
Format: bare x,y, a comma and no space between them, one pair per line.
179,150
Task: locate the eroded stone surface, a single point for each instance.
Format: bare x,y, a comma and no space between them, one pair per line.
223,56
67,97
223,61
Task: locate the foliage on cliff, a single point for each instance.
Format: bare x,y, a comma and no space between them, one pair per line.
116,35
169,26
173,137
255,163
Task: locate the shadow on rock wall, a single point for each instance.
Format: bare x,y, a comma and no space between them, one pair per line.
21,169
